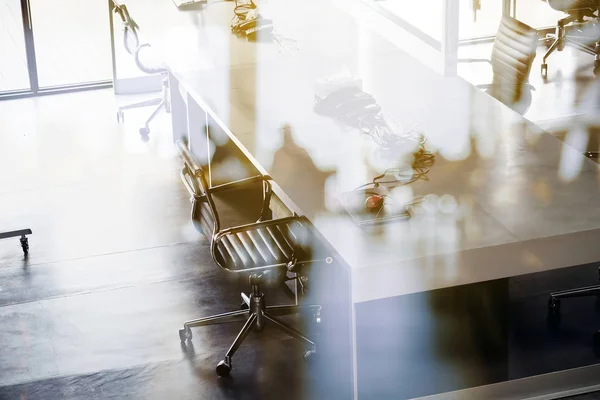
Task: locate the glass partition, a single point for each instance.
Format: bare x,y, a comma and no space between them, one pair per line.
72,43
13,62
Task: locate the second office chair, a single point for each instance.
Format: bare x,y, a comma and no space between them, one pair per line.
142,53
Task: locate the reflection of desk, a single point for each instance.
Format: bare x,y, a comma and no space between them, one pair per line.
507,198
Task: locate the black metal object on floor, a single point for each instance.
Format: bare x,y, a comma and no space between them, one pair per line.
24,241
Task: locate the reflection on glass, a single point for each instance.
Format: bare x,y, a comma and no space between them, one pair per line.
426,16
537,14
398,160
72,41
13,61
306,184
478,18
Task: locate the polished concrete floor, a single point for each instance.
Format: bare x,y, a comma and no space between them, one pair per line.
115,267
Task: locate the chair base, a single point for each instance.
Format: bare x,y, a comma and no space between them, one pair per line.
160,103
561,39
257,314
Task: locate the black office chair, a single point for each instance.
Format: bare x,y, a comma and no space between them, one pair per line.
577,11
512,56
147,62
268,250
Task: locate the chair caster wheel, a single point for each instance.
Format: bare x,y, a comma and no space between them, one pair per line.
120,116
310,354
544,70
25,245
223,368
553,305
144,131
185,334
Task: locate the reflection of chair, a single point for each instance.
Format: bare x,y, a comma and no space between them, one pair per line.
267,250
511,60
143,59
576,11
512,56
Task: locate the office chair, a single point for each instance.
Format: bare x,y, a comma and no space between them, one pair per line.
141,53
576,11
268,250
512,56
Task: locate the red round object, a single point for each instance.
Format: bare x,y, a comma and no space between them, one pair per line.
374,202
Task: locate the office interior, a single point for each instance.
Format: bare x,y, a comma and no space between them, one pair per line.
327,199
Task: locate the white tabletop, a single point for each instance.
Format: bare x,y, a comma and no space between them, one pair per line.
503,198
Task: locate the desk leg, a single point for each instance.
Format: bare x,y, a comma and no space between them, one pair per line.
198,134
450,37
178,110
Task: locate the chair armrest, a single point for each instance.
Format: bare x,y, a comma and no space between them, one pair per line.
194,192
188,158
156,69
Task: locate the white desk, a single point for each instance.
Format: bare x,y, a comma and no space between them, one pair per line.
504,197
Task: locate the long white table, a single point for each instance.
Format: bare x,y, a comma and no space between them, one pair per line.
503,199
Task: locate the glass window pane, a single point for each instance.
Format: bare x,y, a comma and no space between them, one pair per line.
482,22
425,16
72,41
13,60
537,14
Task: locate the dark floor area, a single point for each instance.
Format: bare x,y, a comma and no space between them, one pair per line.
116,267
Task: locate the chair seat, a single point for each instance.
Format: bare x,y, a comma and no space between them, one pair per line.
262,246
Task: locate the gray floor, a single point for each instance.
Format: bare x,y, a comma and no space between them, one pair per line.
116,266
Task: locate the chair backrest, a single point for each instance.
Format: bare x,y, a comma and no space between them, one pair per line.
512,57
204,212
